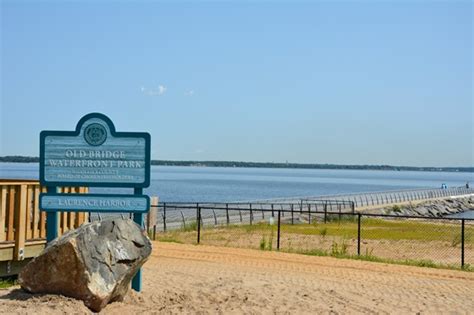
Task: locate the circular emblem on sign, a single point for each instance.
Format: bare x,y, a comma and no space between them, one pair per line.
95,134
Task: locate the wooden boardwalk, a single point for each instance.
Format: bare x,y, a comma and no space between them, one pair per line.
23,225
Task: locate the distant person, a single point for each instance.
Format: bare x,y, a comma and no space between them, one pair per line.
467,185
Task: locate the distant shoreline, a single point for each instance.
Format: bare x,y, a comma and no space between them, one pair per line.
28,159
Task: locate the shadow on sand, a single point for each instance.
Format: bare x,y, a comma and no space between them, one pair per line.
20,295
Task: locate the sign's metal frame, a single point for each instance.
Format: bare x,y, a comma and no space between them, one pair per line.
52,219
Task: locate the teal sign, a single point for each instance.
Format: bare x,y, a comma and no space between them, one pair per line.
94,203
94,155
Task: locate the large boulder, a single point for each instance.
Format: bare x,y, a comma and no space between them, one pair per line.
94,263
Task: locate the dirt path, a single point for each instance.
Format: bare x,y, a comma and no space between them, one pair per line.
203,279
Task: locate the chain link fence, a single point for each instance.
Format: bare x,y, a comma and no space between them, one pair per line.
313,229
382,198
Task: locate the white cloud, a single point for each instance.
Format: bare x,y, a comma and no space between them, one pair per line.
189,93
160,90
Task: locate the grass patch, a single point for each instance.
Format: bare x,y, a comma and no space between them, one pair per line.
376,229
396,208
263,243
338,238
169,239
8,282
339,249
189,227
267,245
371,229
323,231
369,257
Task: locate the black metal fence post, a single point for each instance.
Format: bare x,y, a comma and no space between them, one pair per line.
215,217
309,213
358,234
164,217
325,212
462,243
292,215
278,230
251,214
199,225
154,232
227,213
184,221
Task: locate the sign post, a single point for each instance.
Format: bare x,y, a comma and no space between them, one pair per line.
94,155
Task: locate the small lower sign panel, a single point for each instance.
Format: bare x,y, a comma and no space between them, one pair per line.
94,203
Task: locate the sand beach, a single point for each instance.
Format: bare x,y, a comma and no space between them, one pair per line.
180,278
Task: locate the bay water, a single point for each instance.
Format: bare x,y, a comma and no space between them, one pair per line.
225,184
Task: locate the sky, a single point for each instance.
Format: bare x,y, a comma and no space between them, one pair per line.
357,82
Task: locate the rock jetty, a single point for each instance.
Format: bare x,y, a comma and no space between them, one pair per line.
432,208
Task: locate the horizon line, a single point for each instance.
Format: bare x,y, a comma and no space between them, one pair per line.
232,163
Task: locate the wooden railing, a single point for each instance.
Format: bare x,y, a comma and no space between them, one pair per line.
22,224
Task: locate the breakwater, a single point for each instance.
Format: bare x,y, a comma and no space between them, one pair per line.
432,208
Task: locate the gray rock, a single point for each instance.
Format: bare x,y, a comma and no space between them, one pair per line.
422,211
94,263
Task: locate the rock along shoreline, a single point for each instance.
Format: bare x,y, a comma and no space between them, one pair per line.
432,208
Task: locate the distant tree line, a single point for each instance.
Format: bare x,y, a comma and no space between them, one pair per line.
31,159
309,166
19,159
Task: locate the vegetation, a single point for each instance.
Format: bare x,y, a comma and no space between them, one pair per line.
191,226
371,229
369,257
323,231
398,241
375,229
396,208
19,159
28,159
169,239
339,250
7,282
264,245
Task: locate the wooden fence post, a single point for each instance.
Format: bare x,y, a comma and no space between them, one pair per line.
20,228
152,214
3,212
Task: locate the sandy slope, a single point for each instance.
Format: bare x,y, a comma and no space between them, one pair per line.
202,279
